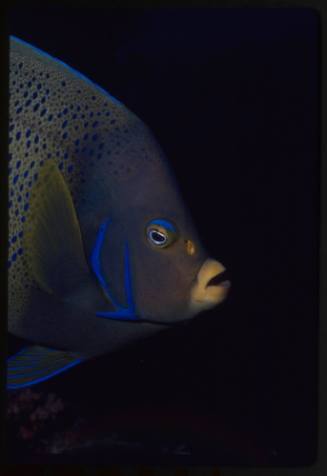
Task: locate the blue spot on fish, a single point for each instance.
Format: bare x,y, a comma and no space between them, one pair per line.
16,179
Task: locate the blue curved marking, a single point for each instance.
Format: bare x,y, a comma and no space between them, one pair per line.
95,261
165,223
69,68
120,313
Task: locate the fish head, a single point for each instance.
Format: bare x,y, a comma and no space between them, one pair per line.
172,276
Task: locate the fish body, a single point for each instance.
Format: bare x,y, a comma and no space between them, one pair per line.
102,250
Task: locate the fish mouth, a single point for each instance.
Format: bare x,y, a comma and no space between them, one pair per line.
210,288
221,279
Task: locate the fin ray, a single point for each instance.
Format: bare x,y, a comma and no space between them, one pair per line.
36,369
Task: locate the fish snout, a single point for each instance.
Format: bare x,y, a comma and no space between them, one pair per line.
210,288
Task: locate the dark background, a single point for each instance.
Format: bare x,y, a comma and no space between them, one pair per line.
232,97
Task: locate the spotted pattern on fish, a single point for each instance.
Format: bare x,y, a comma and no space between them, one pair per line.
56,113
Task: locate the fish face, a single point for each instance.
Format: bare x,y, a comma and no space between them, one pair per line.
172,277
180,279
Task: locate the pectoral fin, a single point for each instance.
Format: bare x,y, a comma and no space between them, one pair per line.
35,364
53,241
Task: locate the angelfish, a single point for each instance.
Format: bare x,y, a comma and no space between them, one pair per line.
102,250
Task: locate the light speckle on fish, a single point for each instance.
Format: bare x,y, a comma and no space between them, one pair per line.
102,250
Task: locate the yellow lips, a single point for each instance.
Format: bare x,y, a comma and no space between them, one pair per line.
204,296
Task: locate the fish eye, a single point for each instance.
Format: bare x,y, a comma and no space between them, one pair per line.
157,237
161,233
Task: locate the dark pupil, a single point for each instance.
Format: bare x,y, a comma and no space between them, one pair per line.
158,237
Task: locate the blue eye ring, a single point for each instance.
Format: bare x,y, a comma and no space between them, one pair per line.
168,225
161,233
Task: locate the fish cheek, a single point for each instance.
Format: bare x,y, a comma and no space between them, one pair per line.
161,290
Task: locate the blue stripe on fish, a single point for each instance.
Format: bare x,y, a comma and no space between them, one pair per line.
121,313
95,261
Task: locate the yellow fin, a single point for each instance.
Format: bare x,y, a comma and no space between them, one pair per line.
53,241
